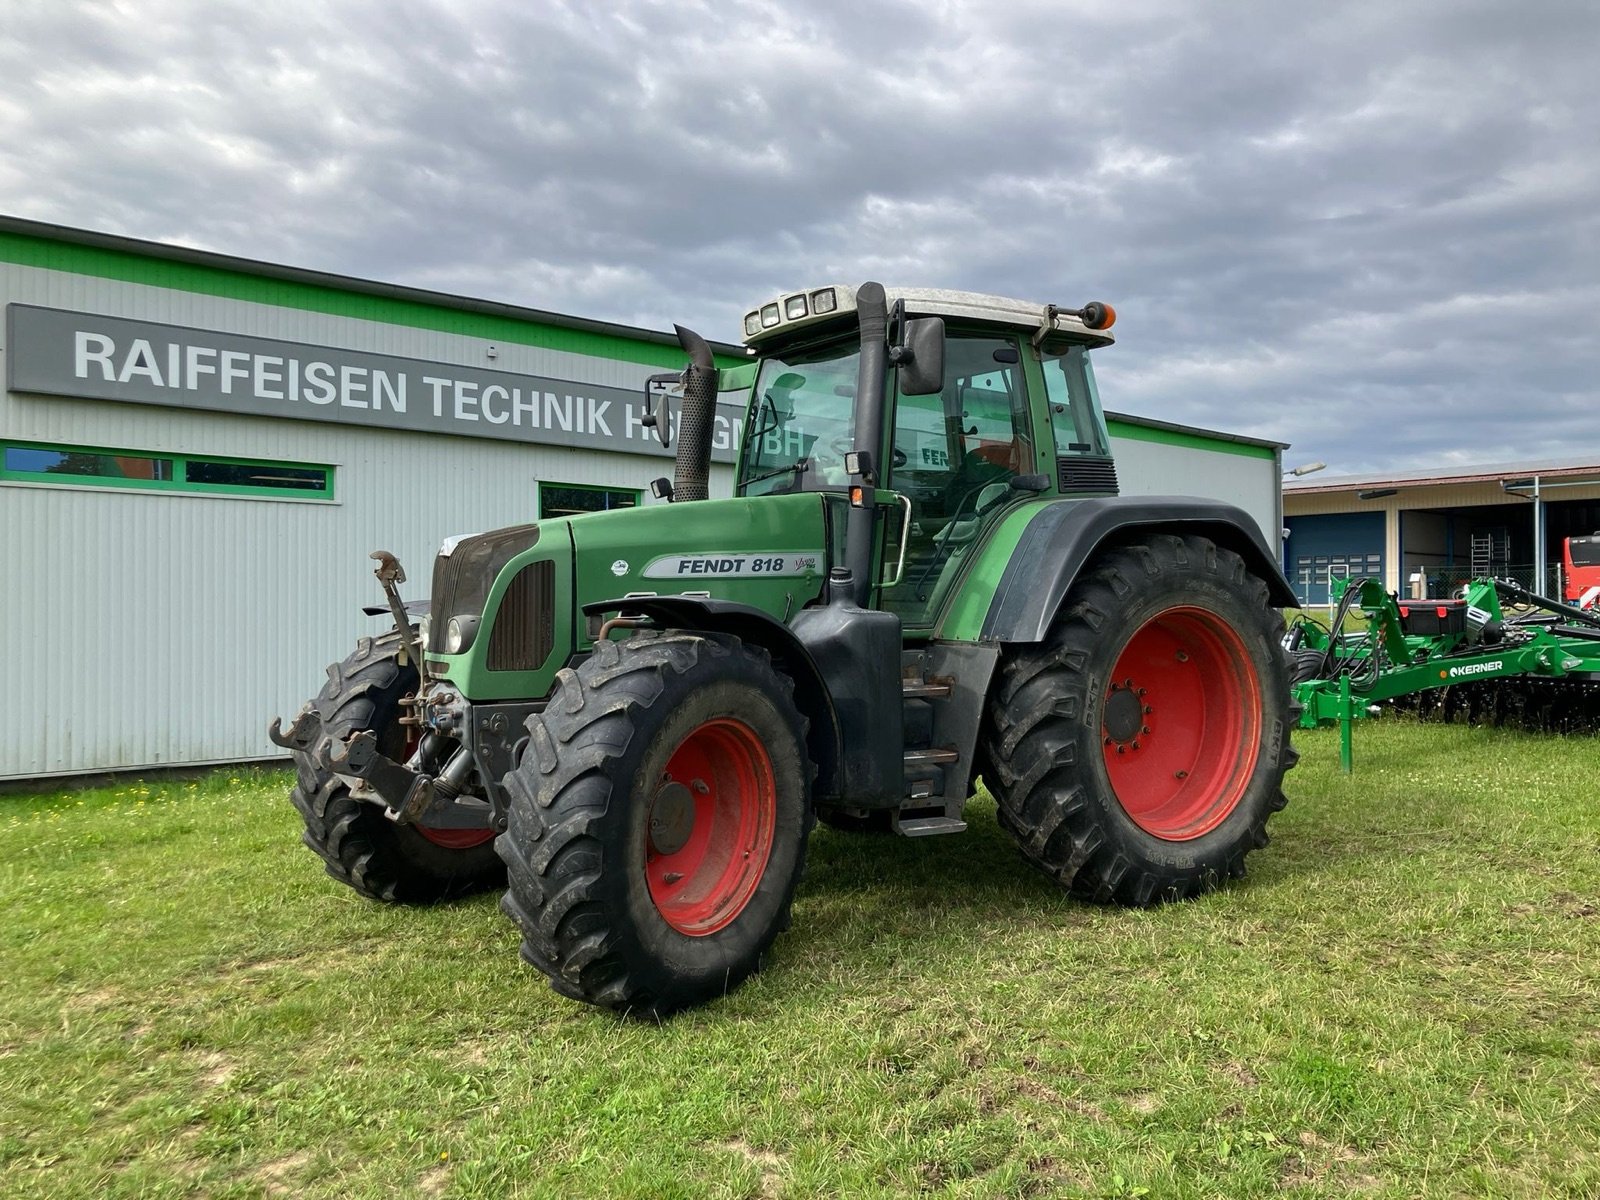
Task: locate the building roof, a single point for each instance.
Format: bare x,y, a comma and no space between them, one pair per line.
1434,476
345,283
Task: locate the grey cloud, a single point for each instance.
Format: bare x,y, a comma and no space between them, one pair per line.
1327,227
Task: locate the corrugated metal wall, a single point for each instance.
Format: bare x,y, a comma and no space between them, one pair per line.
146,629
1146,468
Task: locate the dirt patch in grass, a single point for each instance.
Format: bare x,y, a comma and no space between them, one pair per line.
768,1164
274,1177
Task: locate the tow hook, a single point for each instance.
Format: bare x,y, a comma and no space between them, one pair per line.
390,573
304,733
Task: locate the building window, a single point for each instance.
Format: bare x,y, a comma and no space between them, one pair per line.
570,499
89,466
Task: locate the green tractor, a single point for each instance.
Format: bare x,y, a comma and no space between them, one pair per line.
925,575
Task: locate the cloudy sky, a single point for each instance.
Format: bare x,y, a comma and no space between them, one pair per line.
1371,230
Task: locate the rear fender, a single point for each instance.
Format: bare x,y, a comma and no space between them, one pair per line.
758,628
1065,537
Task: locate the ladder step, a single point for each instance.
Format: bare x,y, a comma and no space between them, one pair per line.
929,757
928,826
925,689
920,789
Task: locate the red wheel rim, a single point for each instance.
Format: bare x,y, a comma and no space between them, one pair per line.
1181,724
456,839
710,827
448,839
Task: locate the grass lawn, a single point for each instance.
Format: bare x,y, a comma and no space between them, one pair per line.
1403,999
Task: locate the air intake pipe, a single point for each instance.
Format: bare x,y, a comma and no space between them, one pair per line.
691,469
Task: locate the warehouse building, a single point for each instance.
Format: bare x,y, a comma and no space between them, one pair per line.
198,452
1435,529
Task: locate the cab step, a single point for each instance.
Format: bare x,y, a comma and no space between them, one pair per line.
931,756
927,826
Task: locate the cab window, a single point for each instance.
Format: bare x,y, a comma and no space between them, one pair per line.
1075,417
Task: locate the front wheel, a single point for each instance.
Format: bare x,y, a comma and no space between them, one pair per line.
658,822
359,845
1141,748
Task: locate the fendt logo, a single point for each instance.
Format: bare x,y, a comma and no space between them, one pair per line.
1476,669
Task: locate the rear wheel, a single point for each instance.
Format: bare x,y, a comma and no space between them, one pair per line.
359,845
658,822
1139,751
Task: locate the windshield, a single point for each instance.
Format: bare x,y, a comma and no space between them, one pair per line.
800,422
1585,551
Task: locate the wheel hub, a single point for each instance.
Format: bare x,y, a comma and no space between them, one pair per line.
1125,714
671,818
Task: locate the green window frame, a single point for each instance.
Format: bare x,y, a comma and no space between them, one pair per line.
572,499
163,471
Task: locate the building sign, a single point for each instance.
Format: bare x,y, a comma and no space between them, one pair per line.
54,352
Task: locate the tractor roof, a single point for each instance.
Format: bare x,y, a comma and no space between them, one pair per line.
792,312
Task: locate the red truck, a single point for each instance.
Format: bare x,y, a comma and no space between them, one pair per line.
1581,558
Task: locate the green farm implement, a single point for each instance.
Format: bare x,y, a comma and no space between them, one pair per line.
1499,654
632,720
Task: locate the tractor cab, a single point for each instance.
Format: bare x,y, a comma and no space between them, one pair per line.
1003,408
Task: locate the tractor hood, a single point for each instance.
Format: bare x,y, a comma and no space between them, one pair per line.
515,595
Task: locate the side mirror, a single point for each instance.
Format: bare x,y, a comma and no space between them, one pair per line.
919,355
658,391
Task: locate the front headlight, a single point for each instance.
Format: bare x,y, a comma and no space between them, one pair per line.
458,634
425,629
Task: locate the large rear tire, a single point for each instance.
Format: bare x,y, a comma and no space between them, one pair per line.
1139,750
359,845
658,822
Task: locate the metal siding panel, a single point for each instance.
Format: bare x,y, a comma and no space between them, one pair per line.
1153,469
153,629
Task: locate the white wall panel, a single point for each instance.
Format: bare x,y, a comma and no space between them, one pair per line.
1156,469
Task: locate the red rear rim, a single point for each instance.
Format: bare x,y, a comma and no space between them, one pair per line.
448,839
710,827
1181,729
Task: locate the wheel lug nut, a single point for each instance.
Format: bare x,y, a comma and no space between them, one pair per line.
1144,729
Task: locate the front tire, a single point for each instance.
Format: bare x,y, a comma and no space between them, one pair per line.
1139,750
358,844
658,822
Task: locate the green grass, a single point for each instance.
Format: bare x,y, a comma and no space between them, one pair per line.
1402,1000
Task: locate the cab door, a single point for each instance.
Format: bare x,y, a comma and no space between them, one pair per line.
953,457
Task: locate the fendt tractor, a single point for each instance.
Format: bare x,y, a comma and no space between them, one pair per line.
924,575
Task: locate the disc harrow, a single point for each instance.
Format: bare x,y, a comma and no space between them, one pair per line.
1498,655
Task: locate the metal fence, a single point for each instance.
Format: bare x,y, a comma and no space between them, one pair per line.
1447,581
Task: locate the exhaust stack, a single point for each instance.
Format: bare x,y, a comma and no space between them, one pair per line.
691,469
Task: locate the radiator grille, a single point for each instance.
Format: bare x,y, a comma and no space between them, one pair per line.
524,628
462,578
1083,473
